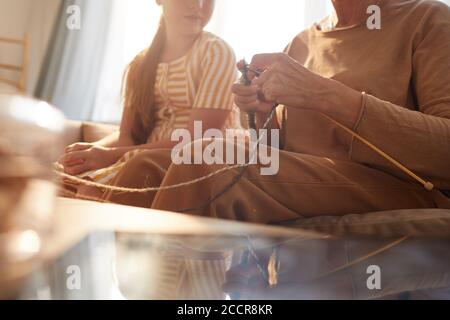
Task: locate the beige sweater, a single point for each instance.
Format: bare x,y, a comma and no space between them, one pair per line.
405,70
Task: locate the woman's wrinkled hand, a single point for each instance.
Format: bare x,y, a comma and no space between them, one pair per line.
82,157
285,81
249,98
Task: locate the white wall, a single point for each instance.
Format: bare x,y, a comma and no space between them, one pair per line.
34,16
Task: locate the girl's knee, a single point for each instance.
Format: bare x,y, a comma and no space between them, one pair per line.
89,192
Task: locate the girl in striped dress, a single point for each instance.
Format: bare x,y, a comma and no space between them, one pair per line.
184,76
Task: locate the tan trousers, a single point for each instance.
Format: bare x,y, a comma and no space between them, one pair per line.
306,186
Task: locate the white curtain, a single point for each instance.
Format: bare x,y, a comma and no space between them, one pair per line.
74,65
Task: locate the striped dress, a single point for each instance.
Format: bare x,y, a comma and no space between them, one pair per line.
201,79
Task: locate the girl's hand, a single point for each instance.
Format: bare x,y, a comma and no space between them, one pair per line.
79,146
82,157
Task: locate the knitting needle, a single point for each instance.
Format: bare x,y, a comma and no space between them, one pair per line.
245,80
427,185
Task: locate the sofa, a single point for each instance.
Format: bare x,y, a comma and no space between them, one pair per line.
77,131
409,246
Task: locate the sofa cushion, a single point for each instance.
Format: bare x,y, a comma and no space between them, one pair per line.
92,132
425,223
72,132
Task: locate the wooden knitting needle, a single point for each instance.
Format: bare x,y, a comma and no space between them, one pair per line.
427,185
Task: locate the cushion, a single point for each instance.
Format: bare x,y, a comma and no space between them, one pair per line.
92,132
72,132
429,223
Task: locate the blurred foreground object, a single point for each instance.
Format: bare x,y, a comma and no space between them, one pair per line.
30,138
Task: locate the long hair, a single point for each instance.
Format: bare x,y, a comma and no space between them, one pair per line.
140,77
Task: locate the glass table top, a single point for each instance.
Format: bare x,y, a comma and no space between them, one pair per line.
124,265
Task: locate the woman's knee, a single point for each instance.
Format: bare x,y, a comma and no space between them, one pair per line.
147,161
217,151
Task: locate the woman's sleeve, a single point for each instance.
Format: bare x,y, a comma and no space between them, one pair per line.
419,140
218,75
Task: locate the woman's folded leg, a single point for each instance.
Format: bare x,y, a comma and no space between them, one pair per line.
306,186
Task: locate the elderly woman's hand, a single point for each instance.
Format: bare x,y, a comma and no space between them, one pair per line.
248,98
287,82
